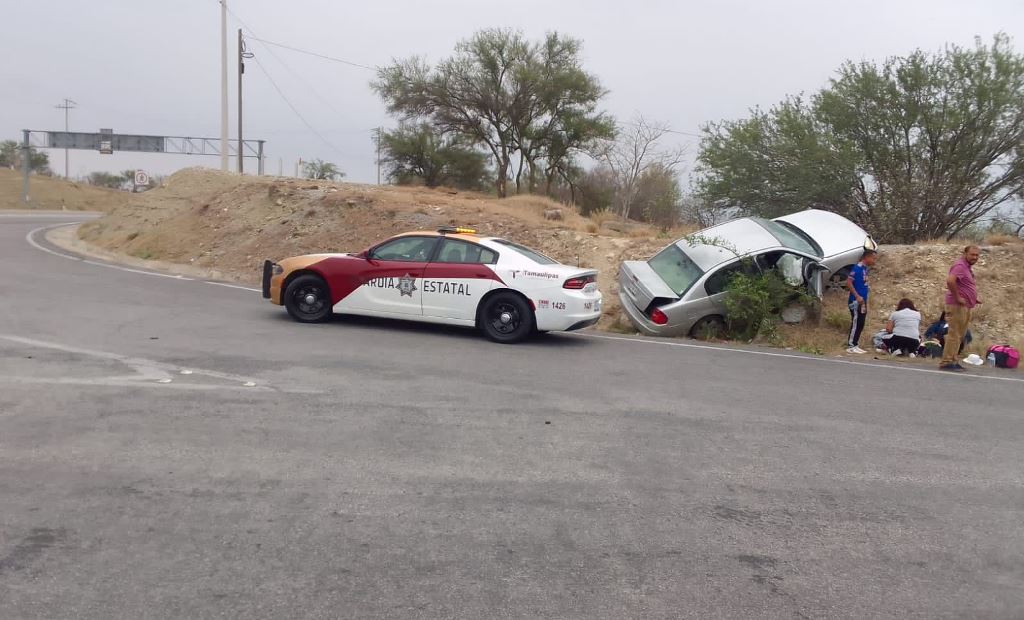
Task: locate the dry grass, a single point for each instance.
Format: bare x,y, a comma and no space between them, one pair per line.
54,193
1002,239
603,216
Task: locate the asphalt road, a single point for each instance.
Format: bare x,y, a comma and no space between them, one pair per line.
382,469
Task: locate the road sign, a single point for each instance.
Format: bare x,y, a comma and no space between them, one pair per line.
141,178
106,141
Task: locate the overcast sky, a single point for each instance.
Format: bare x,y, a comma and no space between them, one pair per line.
153,67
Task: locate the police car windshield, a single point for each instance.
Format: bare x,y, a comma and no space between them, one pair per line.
536,257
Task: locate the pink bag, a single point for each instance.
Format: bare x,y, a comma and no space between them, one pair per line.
1006,356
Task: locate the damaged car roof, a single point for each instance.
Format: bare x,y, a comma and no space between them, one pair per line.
715,245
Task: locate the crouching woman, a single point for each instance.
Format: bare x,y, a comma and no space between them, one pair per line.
905,326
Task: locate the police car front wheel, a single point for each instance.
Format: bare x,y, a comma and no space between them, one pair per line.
308,299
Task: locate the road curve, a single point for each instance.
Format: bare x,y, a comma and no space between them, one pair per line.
174,448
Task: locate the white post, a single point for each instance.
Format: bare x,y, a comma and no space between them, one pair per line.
224,85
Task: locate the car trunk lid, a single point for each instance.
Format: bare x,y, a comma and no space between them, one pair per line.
642,285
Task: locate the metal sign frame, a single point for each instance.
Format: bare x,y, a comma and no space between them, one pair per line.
106,142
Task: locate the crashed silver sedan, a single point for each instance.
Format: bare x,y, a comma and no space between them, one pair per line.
681,290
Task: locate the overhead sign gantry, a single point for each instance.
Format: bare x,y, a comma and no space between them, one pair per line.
107,142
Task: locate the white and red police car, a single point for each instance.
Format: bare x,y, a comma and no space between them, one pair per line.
451,276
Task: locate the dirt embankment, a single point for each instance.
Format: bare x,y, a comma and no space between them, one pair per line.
222,221
56,193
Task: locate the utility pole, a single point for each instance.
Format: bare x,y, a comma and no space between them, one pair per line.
241,70
378,154
224,85
67,106
26,163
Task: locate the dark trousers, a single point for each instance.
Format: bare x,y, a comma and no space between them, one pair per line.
904,344
857,319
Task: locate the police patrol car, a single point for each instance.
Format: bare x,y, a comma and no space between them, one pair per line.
452,276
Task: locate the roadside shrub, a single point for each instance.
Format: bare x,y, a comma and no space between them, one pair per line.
838,319
754,301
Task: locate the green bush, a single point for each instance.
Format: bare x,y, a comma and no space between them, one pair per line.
754,301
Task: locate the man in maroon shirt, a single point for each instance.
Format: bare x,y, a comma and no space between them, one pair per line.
961,298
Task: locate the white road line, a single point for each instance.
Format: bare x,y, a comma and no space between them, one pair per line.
122,383
687,345
147,369
226,285
31,215
30,238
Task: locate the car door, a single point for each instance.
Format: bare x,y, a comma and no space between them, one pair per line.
458,277
708,298
392,281
797,270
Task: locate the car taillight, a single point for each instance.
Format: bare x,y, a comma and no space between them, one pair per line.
579,283
658,317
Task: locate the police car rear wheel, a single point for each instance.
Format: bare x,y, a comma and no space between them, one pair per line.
506,318
307,299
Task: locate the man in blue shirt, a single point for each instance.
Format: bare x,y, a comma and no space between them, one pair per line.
857,283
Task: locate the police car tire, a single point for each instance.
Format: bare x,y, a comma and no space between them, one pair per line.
296,293
521,320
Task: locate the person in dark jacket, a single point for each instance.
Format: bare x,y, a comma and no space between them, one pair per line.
938,330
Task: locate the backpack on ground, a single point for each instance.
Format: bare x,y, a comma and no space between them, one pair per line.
930,348
1006,356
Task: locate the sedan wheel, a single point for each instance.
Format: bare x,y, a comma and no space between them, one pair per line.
307,299
506,318
708,328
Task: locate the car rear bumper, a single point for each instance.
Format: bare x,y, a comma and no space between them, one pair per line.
644,324
572,310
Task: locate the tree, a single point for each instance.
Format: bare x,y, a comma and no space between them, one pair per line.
595,190
418,153
1011,222
634,154
321,170
106,179
511,97
699,212
657,198
915,147
10,157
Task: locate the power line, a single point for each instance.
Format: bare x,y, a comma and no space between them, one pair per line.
294,109
252,36
318,55
280,92
665,130
685,133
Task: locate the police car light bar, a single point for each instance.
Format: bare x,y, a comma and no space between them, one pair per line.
456,230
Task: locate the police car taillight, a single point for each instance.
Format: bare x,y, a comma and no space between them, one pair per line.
579,282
